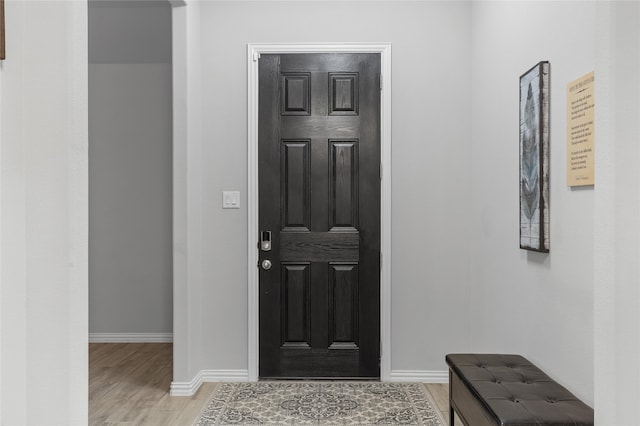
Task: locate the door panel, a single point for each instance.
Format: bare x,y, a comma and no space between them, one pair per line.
343,178
320,246
343,306
295,175
319,195
296,323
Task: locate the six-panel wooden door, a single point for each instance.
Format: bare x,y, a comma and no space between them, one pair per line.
319,197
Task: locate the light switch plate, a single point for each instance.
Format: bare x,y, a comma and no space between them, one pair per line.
230,199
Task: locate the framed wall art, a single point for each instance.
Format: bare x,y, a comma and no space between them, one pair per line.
534,158
2,43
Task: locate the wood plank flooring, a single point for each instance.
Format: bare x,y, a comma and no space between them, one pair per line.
129,385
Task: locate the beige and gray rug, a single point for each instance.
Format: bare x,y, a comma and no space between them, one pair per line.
320,403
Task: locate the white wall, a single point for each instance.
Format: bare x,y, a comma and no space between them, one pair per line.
130,245
430,160
43,208
617,213
188,304
460,282
537,305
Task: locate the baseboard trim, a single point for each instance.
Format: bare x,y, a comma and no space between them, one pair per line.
186,388
130,337
425,376
190,388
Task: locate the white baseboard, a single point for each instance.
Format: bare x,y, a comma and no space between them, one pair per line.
190,388
424,376
130,337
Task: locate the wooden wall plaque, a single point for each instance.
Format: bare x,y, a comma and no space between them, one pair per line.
580,131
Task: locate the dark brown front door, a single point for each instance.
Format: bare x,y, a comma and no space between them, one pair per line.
319,191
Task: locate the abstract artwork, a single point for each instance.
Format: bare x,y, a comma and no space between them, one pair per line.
2,42
534,158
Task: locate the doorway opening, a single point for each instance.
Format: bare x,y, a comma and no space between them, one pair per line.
130,195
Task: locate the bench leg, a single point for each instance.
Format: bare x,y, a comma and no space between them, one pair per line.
451,416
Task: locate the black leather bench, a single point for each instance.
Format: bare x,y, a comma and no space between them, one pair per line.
508,390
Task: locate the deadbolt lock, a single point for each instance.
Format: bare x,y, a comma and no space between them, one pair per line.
265,240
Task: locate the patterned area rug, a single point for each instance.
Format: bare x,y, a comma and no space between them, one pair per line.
320,403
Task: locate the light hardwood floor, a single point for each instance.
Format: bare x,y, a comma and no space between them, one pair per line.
129,385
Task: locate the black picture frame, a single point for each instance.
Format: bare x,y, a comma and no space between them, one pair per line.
2,40
534,158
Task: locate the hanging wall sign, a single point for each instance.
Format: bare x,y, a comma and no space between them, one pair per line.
580,131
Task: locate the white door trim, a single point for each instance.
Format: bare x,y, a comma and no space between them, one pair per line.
253,53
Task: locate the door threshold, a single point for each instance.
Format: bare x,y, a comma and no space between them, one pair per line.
319,379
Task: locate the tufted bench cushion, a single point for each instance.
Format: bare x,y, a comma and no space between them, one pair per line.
508,390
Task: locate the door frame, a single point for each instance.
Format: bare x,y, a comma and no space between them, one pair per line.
254,50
